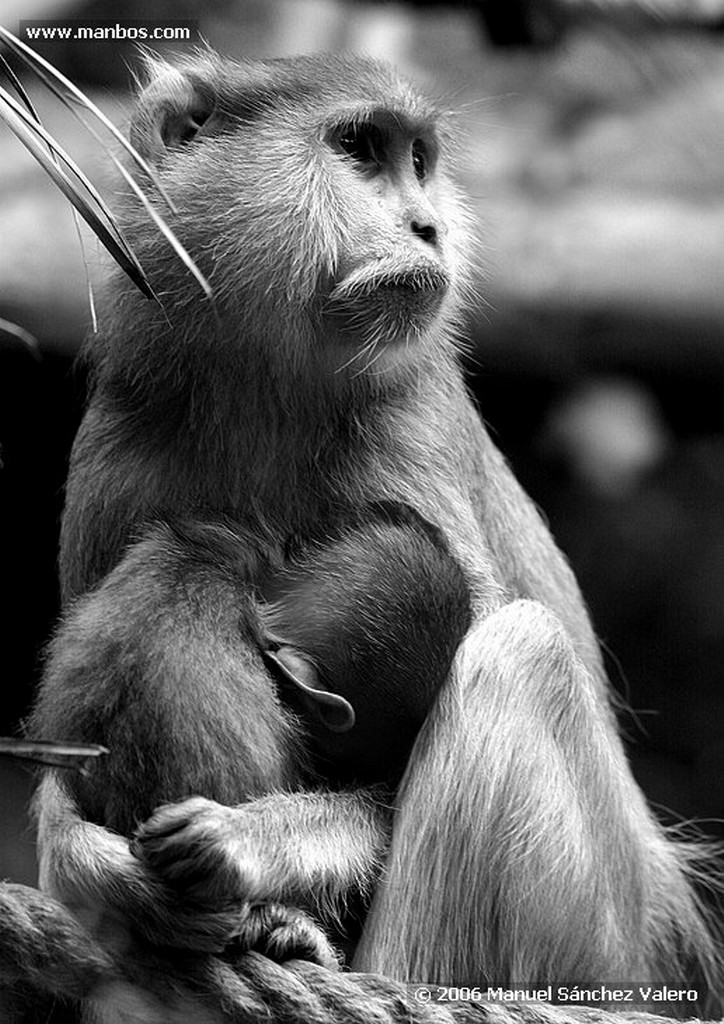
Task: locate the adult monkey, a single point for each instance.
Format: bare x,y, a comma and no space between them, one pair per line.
314,194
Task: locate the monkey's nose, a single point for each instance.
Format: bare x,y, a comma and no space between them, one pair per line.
426,232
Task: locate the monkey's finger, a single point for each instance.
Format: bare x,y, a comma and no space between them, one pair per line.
284,933
183,838
300,940
200,857
170,818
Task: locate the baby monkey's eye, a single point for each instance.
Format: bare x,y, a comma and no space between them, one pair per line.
420,159
363,142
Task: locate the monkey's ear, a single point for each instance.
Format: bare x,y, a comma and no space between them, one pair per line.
330,709
170,112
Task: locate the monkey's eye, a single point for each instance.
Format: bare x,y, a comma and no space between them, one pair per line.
420,159
363,142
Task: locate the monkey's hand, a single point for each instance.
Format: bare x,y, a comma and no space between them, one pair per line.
283,933
217,855
294,848
204,848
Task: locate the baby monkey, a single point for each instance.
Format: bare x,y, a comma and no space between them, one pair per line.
367,628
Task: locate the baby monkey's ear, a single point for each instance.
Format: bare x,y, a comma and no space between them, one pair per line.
171,110
328,709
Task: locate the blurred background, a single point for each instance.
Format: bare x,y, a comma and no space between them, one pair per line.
592,148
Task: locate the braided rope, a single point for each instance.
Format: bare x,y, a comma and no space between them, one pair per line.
43,946
300,992
45,949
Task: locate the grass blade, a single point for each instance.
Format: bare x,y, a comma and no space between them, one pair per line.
71,96
30,133
20,90
18,87
70,92
23,336
60,755
165,230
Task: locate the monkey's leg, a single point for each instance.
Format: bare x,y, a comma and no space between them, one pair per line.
523,851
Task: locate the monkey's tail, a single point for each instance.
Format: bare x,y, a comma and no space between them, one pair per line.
44,950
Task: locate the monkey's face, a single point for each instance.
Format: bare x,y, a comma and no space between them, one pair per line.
312,192
394,268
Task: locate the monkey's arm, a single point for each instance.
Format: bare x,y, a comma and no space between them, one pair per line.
308,849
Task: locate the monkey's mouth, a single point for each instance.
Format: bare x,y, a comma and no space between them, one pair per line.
419,282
